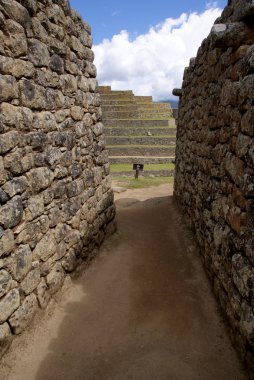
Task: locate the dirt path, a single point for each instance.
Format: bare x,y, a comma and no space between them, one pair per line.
143,310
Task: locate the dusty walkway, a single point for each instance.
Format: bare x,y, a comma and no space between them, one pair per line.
142,311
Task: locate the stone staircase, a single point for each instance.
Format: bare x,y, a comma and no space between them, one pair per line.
138,130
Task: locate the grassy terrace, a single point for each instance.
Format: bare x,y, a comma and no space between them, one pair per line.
170,126
117,168
142,118
140,136
132,183
141,146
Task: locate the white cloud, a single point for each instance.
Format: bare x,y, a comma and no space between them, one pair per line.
115,13
153,63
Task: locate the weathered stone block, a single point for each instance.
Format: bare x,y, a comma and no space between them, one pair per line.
247,122
16,42
56,64
55,278
39,178
24,314
38,53
35,207
68,84
8,141
235,168
5,338
8,304
5,282
32,95
24,259
98,129
17,12
19,117
45,121
70,262
7,242
9,88
15,186
77,113
230,35
46,247
11,213
3,174
16,67
32,279
43,294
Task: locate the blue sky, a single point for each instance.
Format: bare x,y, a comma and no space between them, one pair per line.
110,17
144,46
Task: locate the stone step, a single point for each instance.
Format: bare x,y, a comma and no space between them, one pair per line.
126,108
141,159
145,173
154,113
120,115
111,96
153,105
103,89
126,123
143,99
139,131
134,114
116,102
133,150
147,140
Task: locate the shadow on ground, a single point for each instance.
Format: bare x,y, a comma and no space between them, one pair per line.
142,311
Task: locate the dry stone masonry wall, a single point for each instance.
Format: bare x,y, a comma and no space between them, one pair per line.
214,181
56,204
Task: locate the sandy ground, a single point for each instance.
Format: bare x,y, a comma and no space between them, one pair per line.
143,310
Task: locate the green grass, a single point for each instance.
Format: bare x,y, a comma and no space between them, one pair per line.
132,183
141,136
118,168
141,146
150,118
146,128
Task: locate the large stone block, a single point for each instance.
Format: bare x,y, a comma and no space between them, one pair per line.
8,141
9,88
5,338
38,53
16,42
23,264
19,117
8,304
7,242
55,278
32,279
40,178
17,12
46,247
15,186
43,294
5,282
24,314
11,213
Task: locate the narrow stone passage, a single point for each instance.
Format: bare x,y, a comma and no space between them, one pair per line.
143,310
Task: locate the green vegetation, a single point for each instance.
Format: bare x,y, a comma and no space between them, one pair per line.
118,168
141,146
146,128
141,136
132,183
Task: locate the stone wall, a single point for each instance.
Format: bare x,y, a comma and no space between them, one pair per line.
214,181
56,204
